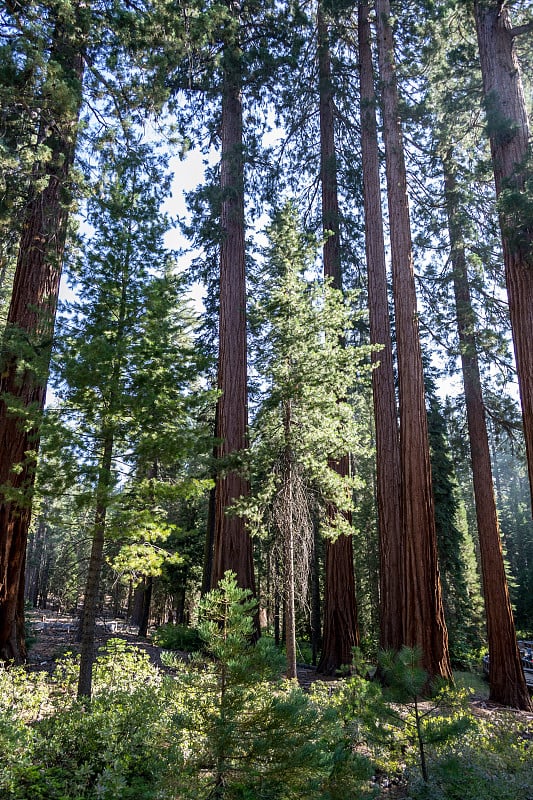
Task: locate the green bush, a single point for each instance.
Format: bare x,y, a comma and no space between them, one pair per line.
59,750
177,637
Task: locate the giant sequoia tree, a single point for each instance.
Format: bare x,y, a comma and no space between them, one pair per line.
508,129
30,321
507,684
232,544
388,476
340,633
423,617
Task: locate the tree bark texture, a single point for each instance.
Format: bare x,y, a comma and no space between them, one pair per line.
341,632
288,547
148,588
388,474
28,341
507,682
508,128
423,615
92,586
232,543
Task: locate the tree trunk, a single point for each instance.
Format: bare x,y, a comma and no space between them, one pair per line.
92,586
232,545
508,129
388,474
288,548
315,595
507,682
28,339
423,617
148,587
341,632
35,562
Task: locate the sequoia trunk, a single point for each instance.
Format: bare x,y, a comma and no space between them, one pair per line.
507,683
341,632
28,339
423,616
508,128
388,477
232,543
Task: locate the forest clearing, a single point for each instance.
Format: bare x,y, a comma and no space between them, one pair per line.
266,399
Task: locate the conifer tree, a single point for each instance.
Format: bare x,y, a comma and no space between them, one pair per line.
341,630
232,544
122,376
388,475
461,599
306,418
505,658
509,134
27,339
450,90
423,619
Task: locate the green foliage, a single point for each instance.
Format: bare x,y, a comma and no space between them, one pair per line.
69,752
460,582
410,711
228,727
246,733
177,637
515,205
492,759
316,379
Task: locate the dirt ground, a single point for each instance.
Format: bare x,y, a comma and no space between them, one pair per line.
54,634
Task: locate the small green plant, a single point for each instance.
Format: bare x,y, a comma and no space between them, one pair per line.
246,733
177,637
424,721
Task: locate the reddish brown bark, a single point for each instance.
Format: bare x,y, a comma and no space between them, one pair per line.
388,476
328,158
507,682
423,616
92,585
232,543
509,139
27,346
341,631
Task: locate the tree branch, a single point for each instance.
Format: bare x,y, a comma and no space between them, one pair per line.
520,29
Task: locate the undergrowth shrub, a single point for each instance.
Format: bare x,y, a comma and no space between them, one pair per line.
228,726
247,733
177,637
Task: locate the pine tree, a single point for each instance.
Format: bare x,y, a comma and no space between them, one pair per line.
462,600
306,417
120,385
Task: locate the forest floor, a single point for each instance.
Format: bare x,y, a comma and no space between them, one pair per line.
53,635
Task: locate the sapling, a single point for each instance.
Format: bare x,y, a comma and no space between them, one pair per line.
246,732
413,702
